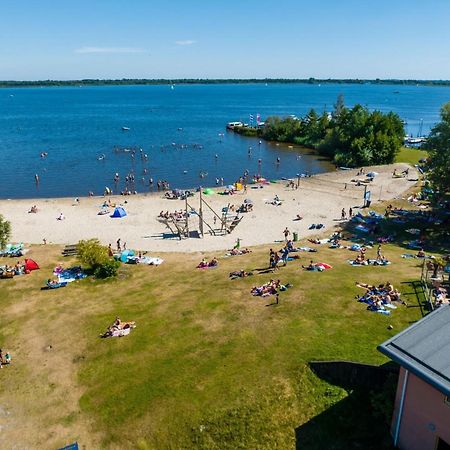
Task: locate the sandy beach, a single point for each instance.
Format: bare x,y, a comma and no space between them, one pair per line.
319,199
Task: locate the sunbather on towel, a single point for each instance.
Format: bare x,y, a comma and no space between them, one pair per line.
270,288
314,266
116,327
240,274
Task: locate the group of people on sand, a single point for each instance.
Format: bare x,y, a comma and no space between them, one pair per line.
344,213
176,215
205,264
5,358
404,173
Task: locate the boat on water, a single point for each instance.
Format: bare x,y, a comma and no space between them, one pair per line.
125,129
233,125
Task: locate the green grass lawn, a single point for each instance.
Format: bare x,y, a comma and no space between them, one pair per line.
208,366
410,155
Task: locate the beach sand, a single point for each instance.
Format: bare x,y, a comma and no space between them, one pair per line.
319,199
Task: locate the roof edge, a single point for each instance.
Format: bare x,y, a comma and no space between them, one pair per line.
425,376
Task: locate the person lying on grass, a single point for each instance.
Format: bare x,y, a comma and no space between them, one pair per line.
385,291
4,359
204,264
238,251
269,288
240,274
117,326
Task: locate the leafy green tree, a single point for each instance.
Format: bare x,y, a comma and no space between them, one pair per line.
438,146
358,137
96,257
351,137
5,231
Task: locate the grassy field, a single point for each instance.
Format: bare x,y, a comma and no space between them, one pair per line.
208,366
410,155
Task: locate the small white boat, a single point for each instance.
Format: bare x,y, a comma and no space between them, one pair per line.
125,129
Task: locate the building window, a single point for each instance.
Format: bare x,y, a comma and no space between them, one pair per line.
447,400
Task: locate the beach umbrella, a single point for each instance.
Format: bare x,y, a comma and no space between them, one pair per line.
230,186
208,191
372,174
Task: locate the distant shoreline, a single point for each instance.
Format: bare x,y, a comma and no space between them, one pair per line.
193,81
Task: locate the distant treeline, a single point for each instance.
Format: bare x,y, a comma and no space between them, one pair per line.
161,81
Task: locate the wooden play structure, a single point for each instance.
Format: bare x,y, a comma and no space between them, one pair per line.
222,224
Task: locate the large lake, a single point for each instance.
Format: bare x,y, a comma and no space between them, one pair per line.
179,129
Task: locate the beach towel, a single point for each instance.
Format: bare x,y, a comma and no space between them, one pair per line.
151,261
120,333
353,263
376,262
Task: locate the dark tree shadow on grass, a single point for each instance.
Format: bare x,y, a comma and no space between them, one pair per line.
352,423
349,424
434,233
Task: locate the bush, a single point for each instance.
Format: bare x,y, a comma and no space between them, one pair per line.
5,231
94,255
108,269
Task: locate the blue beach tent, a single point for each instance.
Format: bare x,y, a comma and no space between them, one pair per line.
119,212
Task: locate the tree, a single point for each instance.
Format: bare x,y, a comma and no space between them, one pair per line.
5,232
438,146
96,257
339,105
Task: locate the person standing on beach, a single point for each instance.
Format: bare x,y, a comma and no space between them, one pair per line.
343,214
286,233
350,212
118,245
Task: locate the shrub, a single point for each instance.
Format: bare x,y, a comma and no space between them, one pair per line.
5,231
96,257
92,253
108,269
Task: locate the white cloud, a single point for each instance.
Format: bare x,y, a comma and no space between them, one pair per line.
109,50
186,42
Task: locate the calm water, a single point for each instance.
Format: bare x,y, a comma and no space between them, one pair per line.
76,125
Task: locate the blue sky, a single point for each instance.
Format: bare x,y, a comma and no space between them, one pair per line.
224,39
